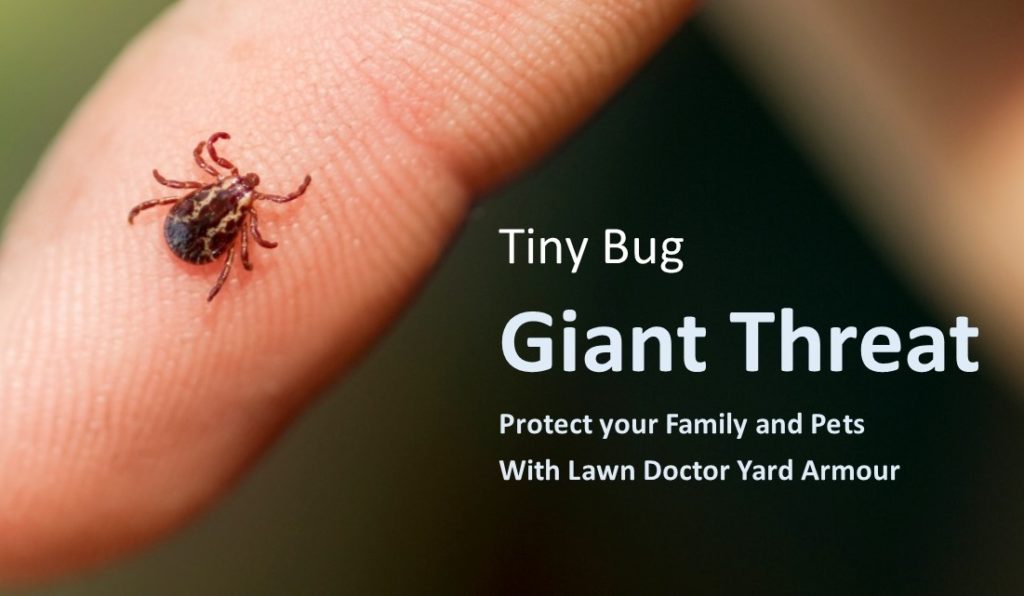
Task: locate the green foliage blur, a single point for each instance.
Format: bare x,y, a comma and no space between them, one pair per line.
51,53
389,483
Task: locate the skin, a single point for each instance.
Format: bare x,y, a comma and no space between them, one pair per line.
918,109
127,402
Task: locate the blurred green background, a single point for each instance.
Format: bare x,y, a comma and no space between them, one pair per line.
389,484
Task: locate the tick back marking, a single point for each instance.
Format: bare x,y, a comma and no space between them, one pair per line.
206,222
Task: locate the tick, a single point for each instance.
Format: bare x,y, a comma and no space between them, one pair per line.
207,221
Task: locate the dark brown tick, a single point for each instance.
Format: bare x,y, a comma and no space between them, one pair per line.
205,223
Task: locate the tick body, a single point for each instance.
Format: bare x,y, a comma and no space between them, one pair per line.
205,223
211,219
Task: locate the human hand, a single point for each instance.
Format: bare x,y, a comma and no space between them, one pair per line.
127,402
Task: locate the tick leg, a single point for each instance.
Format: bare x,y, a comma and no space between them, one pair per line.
150,203
220,161
254,226
245,249
223,274
176,183
198,154
290,196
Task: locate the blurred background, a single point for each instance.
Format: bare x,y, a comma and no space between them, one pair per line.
389,484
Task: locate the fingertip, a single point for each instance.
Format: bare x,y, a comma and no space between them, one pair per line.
186,393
